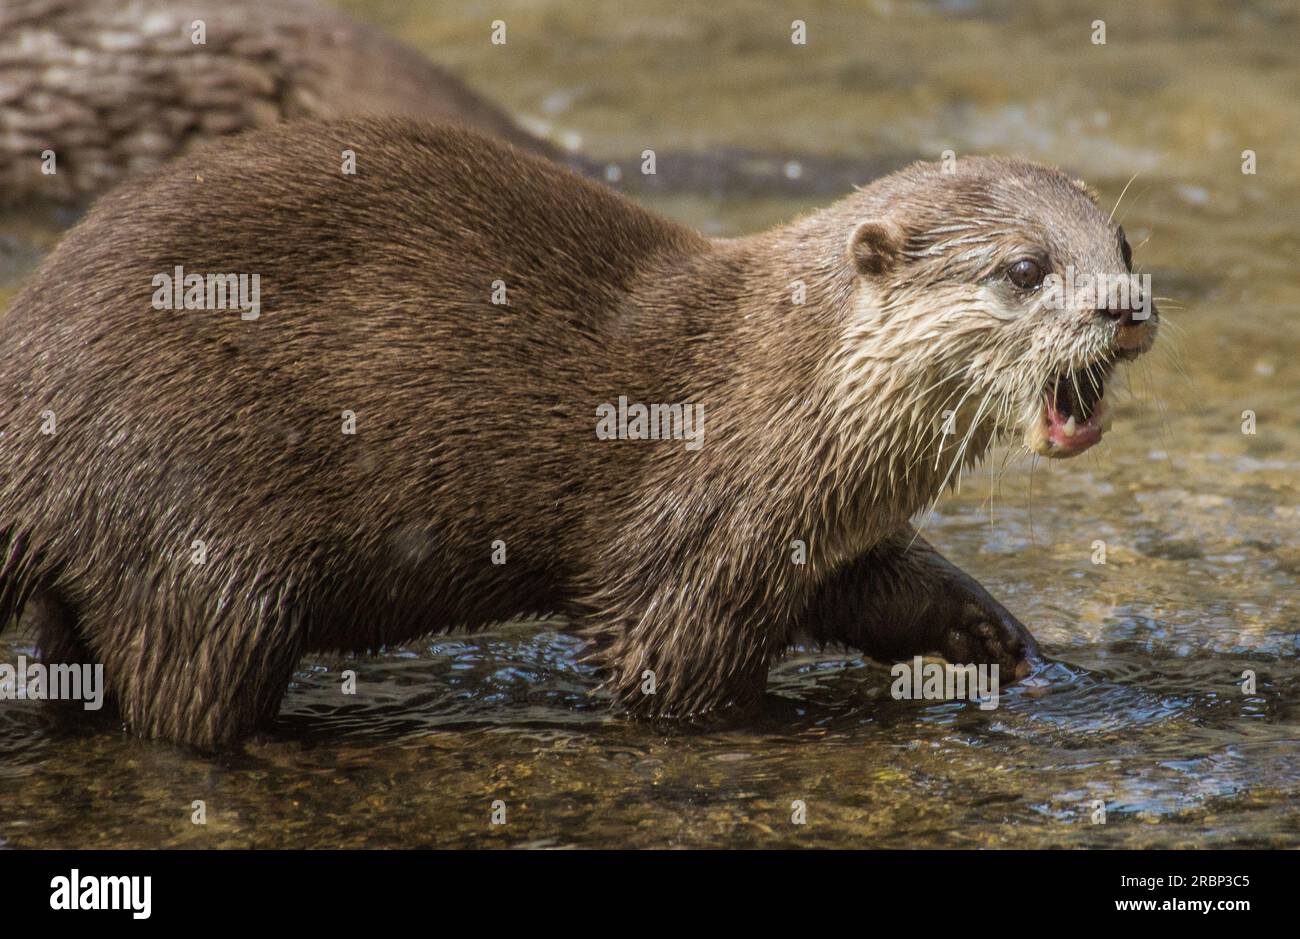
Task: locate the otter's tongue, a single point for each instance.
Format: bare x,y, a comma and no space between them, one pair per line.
1074,412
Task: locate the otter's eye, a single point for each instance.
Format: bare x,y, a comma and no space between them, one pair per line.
1026,273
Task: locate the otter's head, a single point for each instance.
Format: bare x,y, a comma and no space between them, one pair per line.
1003,291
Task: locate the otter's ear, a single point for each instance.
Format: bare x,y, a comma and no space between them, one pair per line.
875,247
1089,191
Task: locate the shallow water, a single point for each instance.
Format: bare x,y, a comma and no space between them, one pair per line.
1143,708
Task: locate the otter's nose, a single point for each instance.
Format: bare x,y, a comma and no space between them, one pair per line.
1131,313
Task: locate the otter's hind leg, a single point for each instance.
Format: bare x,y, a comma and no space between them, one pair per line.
58,629
205,674
51,619
903,599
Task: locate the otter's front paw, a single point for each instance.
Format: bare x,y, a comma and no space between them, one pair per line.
991,637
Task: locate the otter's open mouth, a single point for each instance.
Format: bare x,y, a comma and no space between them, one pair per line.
1074,412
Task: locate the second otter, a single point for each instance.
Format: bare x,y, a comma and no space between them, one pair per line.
403,440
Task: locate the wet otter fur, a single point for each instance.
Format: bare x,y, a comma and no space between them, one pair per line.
475,421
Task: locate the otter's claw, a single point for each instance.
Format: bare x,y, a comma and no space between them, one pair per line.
993,638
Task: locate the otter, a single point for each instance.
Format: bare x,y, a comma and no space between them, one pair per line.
405,438
118,87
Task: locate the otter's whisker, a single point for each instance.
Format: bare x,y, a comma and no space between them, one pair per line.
1136,199
1121,197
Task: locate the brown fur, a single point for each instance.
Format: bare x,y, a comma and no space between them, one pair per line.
476,422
